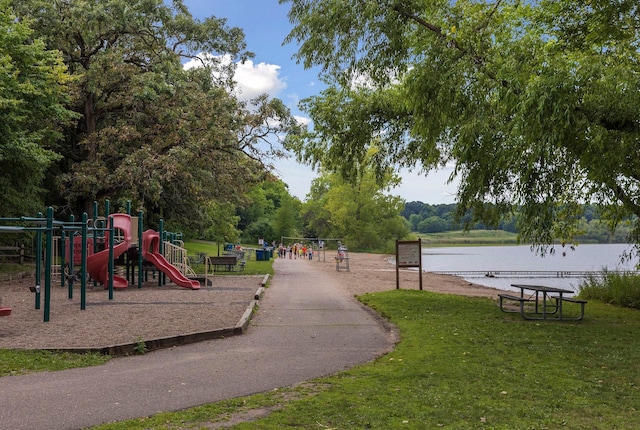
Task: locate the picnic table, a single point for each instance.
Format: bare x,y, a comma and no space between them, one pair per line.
539,302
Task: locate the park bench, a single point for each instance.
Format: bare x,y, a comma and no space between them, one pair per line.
226,263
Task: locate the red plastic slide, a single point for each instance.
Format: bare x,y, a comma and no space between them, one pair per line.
150,252
98,263
5,311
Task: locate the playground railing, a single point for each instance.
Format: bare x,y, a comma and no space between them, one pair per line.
177,256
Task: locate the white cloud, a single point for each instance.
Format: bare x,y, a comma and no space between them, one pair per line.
251,79
302,120
255,79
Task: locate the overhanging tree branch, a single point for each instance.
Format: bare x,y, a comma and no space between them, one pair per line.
477,59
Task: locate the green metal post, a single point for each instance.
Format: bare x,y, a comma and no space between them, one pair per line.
72,220
83,267
47,264
63,250
129,268
161,249
95,231
38,263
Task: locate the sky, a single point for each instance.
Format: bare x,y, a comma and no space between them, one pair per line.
274,71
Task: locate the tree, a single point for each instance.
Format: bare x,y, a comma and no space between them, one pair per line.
168,139
223,223
33,98
359,211
412,208
314,213
415,220
268,202
259,229
287,218
536,102
433,224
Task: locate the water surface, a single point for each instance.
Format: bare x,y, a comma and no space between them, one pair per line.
492,260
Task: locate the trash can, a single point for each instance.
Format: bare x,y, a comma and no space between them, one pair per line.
261,255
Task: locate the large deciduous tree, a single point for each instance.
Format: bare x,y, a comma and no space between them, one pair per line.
169,139
33,95
537,102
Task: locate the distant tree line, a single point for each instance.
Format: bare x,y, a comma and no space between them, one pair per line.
425,218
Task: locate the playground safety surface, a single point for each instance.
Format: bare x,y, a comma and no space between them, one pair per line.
162,315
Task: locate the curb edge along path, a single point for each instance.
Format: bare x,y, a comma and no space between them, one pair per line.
306,327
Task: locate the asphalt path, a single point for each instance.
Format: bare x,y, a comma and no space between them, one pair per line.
306,326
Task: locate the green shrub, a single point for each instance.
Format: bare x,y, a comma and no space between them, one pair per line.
616,288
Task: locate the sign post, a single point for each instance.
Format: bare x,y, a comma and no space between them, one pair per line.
408,254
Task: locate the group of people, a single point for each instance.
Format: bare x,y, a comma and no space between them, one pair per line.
295,251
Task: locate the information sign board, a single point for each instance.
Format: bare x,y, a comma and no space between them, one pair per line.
408,254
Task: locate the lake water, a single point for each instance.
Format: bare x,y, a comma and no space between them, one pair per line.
500,263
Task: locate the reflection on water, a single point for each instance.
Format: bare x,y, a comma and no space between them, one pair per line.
492,260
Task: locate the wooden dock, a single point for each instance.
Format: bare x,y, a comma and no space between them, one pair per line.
522,273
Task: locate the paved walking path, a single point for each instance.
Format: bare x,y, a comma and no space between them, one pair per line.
306,327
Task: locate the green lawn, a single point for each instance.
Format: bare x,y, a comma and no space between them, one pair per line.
18,362
252,267
462,364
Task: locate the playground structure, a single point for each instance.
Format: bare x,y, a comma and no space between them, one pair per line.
95,246
98,262
151,253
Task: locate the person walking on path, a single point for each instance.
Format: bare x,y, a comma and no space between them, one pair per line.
306,327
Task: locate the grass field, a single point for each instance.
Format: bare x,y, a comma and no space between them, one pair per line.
461,364
252,267
473,237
